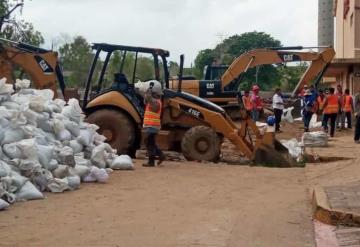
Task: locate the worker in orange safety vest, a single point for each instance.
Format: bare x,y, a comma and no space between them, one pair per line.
152,122
331,109
257,104
246,99
348,107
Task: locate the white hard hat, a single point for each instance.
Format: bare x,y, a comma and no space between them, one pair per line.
155,86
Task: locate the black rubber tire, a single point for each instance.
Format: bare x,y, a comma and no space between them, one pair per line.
208,137
120,127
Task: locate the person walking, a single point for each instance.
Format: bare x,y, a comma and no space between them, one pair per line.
246,99
320,101
257,105
348,107
152,122
310,107
357,116
278,106
331,109
340,120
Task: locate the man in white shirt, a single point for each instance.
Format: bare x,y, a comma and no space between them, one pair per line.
278,106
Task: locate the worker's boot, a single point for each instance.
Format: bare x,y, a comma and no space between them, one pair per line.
150,163
161,159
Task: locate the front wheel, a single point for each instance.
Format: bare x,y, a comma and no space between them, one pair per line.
117,127
201,143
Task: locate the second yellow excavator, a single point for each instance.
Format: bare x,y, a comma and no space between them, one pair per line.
225,91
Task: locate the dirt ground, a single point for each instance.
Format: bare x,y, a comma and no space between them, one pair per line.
184,204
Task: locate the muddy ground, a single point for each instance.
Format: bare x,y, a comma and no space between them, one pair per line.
185,204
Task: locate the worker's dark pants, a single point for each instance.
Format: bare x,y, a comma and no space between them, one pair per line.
278,113
152,148
307,119
357,129
348,119
332,118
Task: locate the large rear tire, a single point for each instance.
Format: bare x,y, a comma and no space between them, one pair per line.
201,143
117,127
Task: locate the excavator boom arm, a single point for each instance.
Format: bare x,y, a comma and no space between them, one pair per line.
251,59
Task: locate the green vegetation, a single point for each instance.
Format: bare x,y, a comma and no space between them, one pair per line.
17,29
224,53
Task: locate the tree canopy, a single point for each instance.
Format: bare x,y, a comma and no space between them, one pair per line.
76,58
225,52
17,29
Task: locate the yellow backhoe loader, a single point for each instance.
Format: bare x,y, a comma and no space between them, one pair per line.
41,65
190,124
225,91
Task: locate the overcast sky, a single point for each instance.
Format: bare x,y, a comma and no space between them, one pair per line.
180,26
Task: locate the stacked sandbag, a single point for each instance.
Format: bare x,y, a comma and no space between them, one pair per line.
45,145
296,149
315,139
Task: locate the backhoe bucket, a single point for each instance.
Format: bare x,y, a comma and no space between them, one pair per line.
270,152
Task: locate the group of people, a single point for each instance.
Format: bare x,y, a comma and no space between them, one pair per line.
332,106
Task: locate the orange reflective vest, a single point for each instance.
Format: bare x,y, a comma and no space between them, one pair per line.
256,102
321,102
332,104
152,119
347,103
247,103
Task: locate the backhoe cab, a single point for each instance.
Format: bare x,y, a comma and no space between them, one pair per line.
190,124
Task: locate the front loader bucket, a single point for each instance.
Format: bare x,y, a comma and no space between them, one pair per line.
273,154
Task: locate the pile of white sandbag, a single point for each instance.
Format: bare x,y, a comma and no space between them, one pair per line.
46,146
315,139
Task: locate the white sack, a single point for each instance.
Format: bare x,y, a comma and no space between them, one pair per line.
73,182
61,171
73,111
66,156
122,162
96,174
5,88
21,84
58,185
72,127
86,137
80,170
12,134
76,146
37,103
315,139
287,116
28,192
5,169
3,204
294,147
45,155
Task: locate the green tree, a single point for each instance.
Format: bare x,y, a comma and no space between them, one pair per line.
17,29
76,58
204,57
290,75
267,76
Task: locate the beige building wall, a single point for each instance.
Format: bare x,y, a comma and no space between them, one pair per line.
346,43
